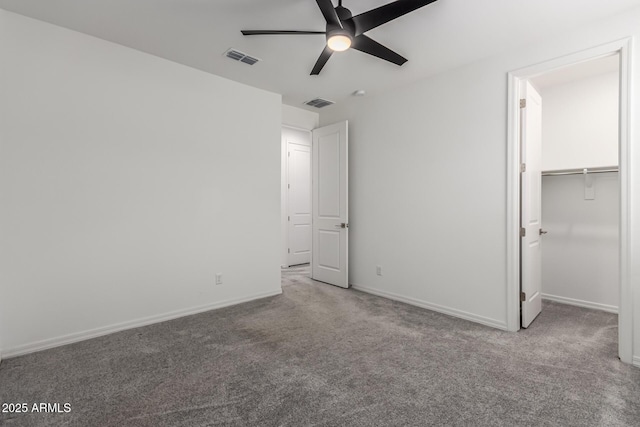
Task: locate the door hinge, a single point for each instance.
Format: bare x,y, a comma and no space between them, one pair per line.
288,218
288,185
288,250
289,154
523,232
523,103
523,297
523,167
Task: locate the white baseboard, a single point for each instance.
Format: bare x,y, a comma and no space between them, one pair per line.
580,303
434,307
105,330
636,361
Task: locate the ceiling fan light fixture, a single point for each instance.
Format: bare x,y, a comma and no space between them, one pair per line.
345,31
339,42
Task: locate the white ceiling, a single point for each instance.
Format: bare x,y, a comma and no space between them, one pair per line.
440,36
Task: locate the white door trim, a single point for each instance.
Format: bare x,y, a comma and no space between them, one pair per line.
297,128
625,318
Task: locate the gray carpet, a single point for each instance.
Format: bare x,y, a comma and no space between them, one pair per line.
325,356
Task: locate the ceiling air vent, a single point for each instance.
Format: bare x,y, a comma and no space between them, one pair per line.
240,56
319,103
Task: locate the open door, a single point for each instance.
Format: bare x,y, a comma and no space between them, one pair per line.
530,205
330,253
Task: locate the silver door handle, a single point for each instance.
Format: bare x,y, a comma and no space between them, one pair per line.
543,231
342,225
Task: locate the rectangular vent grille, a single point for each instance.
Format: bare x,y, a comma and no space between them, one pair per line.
241,56
319,103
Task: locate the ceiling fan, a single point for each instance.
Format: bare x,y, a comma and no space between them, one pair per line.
346,31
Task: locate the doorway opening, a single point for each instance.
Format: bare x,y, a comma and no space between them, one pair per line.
296,197
315,215
600,184
580,186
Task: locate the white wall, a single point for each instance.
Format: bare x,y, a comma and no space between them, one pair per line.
580,123
127,183
428,180
300,119
427,188
580,253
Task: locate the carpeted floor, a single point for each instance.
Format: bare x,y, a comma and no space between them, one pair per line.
324,356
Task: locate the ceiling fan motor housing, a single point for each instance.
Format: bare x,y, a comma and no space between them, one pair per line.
344,14
348,29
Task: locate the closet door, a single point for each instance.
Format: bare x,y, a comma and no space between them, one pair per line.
530,208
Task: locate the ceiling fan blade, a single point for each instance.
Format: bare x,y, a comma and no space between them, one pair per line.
329,13
278,32
372,47
383,14
324,57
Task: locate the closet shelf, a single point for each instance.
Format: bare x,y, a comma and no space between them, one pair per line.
602,169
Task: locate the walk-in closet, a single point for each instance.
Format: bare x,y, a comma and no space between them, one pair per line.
580,184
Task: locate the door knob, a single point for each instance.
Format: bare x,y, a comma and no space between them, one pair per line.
543,231
342,225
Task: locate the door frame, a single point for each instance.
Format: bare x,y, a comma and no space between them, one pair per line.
625,316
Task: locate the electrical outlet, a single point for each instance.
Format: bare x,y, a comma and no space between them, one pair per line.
378,270
218,278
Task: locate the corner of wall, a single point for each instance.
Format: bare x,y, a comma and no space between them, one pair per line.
299,118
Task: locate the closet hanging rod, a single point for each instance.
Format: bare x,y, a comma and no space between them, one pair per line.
580,171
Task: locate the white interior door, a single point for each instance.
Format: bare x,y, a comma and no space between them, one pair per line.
330,254
299,203
530,205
